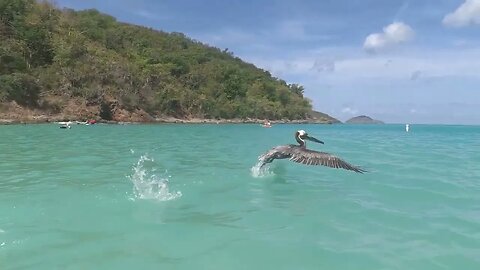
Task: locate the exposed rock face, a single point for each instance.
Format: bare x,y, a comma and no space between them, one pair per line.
322,118
74,109
363,119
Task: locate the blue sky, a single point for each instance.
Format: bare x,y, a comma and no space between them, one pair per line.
400,61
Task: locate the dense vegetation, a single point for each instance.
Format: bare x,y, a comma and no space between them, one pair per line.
48,56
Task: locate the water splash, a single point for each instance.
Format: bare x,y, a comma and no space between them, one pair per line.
261,171
147,185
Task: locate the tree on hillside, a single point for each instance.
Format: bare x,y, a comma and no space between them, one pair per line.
51,54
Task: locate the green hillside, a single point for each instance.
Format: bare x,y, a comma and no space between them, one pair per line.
86,64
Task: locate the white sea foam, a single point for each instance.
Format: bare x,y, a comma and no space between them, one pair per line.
147,185
261,171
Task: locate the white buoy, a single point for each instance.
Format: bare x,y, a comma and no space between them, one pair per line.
407,127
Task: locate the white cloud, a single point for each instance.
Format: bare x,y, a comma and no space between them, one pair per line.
375,41
466,14
353,68
349,110
395,33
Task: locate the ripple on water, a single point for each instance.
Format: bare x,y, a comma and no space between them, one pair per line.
416,208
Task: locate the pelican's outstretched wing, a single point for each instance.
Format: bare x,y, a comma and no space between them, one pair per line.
310,157
279,152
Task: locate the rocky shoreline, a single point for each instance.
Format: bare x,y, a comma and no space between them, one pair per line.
14,114
168,120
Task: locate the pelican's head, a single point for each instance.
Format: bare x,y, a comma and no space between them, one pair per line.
302,135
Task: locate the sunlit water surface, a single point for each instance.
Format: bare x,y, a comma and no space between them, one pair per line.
192,197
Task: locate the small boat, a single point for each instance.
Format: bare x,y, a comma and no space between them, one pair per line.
267,124
407,127
65,124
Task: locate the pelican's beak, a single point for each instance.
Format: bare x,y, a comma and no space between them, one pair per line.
312,139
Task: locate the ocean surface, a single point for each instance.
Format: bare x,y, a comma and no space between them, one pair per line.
177,196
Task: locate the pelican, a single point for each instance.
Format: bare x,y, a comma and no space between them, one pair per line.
300,154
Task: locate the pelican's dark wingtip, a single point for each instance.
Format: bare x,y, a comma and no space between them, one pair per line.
359,170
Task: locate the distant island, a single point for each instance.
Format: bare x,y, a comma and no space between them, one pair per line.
320,117
363,119
62,64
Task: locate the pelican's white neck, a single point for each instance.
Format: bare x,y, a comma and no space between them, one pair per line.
298,137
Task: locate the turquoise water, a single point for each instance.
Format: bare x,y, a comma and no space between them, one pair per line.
189,197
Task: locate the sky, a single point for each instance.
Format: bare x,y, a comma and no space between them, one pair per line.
400,61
